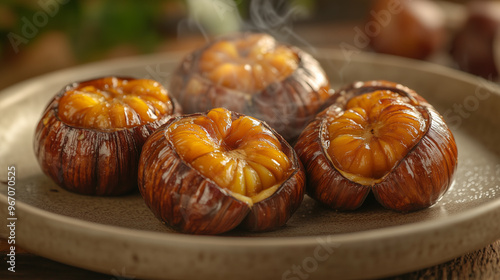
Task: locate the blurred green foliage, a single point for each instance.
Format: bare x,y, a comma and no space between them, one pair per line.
93,27
111,23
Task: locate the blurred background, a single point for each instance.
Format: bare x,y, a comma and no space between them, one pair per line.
39,36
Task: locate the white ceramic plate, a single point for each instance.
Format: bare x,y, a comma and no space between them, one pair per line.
120,235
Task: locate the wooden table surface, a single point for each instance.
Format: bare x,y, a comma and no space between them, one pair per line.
481,264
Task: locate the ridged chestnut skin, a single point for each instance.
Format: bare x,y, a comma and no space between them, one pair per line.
286,105
189,202
91,161
416,182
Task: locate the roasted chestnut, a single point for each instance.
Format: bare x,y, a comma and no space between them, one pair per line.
207,173
254,75
473,47
381,137
414,29
90,136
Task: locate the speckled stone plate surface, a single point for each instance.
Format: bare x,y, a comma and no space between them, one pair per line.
119,235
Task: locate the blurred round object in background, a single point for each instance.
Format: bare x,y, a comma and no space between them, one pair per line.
473,47
414,29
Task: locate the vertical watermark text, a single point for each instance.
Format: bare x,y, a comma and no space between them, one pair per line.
11,218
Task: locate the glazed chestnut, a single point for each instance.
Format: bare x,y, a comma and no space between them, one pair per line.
90,136
381,137
413,29
208,173
254,75
473,47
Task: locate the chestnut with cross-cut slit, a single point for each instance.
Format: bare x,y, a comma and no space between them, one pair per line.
208,173
90,136
378,137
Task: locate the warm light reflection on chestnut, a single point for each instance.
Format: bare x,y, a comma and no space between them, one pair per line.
208,173
90,136
254,75
378,137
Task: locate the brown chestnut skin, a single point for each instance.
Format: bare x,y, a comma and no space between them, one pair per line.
87,160
413,29
415,182
473,46
190,202
287,104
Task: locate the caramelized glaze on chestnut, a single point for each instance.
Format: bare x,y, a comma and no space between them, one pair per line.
254,75
382,137
208,173
90,136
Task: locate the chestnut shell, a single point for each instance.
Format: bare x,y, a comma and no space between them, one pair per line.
189,202
286,105
416,182
473,47
91,161
397,28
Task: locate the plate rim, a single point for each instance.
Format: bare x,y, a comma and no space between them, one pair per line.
397,232
358,236
321,53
